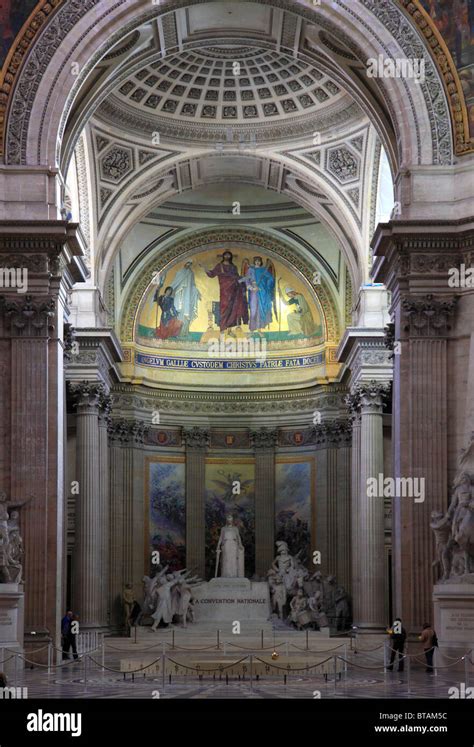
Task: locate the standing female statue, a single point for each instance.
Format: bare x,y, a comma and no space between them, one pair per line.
230,551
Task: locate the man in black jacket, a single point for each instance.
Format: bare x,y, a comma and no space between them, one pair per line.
398,637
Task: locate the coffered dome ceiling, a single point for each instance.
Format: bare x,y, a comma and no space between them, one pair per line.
270,94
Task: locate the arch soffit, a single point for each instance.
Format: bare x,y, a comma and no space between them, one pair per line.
40,104
305,188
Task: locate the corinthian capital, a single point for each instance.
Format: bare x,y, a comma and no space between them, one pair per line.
28,317
264,438
427,316
196,438
87,393
370,395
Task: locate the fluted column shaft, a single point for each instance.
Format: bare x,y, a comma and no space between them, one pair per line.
103,498
371,537
88,555
355,512
264,444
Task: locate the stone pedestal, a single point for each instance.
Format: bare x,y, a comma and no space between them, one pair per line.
227,600
11,623
454,618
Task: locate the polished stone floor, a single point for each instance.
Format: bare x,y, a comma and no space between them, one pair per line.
367,680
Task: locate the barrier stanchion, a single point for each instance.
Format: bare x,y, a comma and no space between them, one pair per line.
435,659
85,673
385,656
408,660
345,659
49,657
335,671
251,670
163,671
103,657
16,670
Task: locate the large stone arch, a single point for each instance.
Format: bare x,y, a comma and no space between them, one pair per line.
43,96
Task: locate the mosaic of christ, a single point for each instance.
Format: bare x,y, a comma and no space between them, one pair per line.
231,294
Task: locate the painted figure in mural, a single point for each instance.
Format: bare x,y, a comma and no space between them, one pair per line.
230,551
260,283
186,297
233,309
170,325
13,14
300,320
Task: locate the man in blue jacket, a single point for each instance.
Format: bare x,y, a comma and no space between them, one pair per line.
67,635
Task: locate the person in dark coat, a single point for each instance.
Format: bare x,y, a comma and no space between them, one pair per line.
398,636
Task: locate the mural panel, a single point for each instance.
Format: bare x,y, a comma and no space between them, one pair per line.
13,14
294,504
236,295
230,488
166,514
455,21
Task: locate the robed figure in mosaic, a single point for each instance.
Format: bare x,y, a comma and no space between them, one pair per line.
233,309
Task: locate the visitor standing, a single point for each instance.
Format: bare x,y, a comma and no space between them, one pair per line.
68,635
429,640
398,636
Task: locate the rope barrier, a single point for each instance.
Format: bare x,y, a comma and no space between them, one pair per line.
289,668
220,668
359,666
311,651
125,671
437,666
203,648
255,648
9,658
31,652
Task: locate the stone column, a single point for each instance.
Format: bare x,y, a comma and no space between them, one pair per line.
104,506
125,437
264,442
421,445
196,441
88,559
432,313
371,527
343,507
353,403
41,263
333,539
116,525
